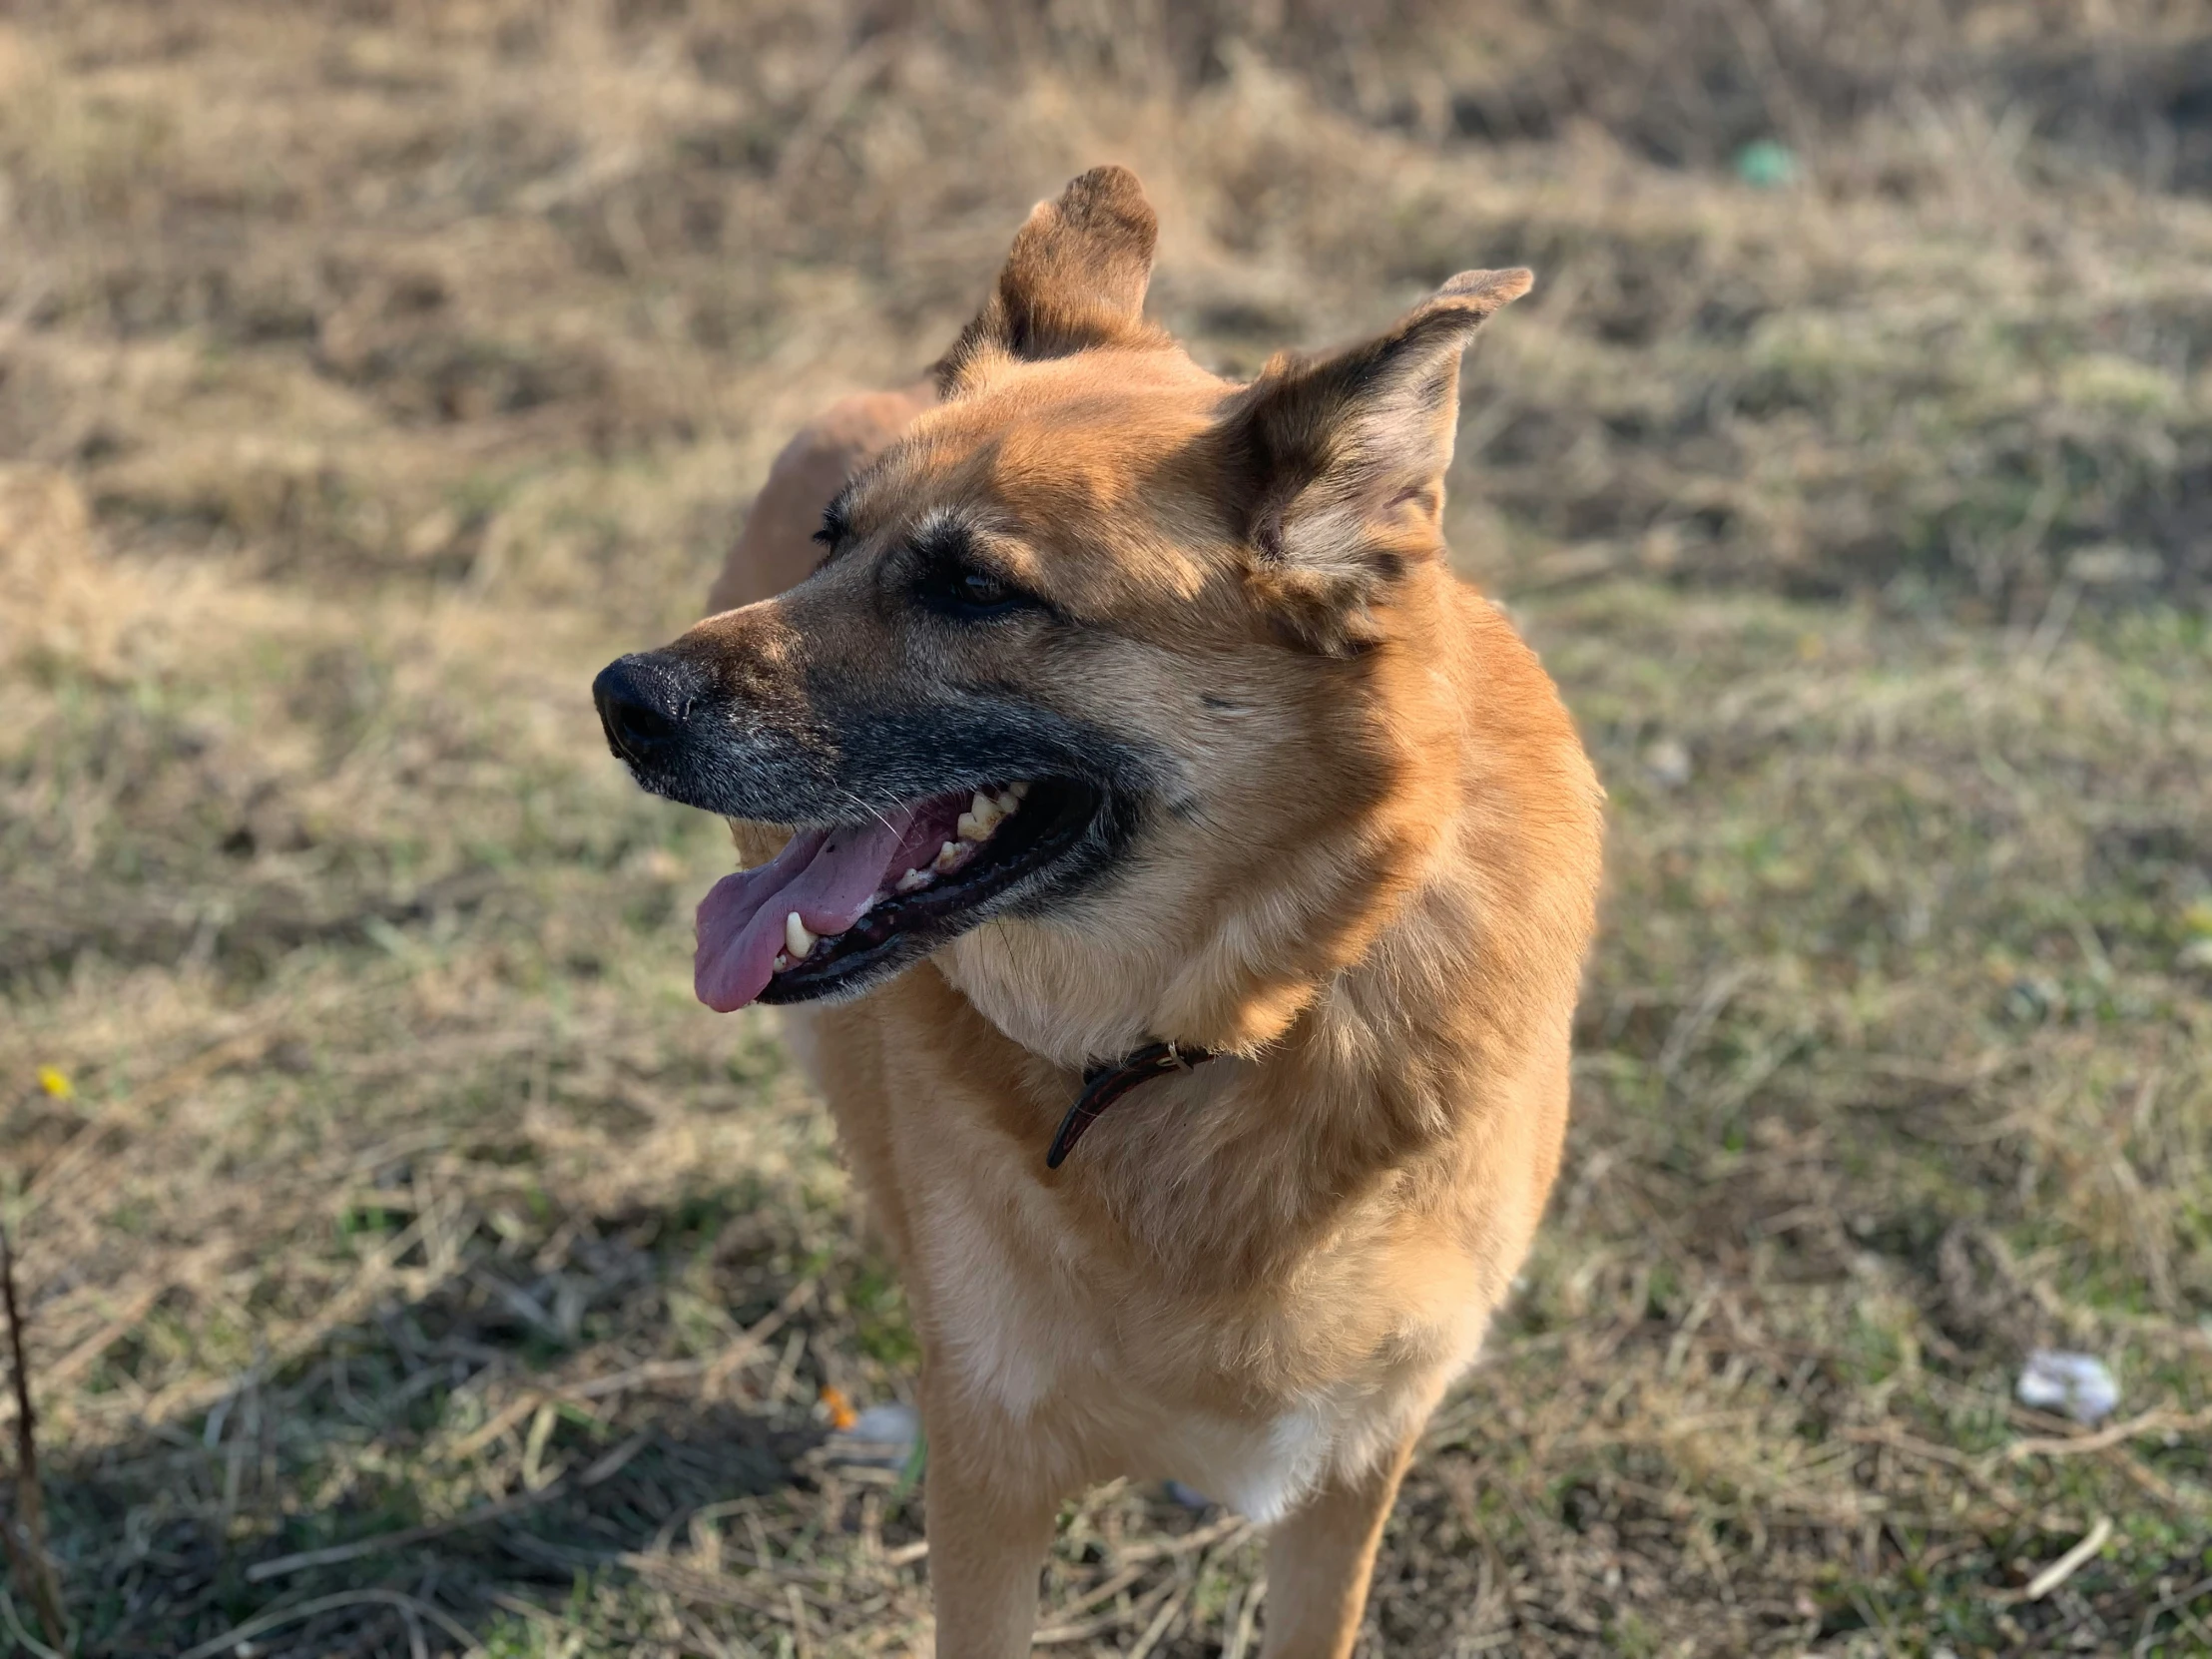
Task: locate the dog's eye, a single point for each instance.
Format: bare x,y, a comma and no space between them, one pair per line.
982,589
963,590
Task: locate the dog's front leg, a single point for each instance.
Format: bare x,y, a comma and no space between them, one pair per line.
990,1516
1321,1557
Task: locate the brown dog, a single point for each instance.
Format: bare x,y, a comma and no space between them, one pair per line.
1133,729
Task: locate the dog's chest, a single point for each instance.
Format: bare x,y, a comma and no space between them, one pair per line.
1130,1381
1261,1467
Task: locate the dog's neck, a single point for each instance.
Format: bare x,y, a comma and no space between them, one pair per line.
1221,1175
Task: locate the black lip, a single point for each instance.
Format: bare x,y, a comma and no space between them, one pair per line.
1063,831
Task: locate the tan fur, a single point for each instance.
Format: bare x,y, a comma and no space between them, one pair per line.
1374,893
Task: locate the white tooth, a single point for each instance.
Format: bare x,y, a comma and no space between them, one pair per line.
1007,801
782,961
1019,789
947,855
915,879
795,937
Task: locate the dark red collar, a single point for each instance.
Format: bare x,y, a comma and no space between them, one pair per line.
1103,1085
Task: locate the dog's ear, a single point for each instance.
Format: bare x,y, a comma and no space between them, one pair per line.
1336,462
1076,278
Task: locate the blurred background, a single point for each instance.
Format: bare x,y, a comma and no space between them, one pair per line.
410,1266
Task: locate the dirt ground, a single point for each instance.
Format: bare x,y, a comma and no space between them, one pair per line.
412,1266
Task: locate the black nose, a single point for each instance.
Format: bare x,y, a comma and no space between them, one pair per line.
644,701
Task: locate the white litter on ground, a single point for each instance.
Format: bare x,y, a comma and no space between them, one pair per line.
882,1435
2078,1384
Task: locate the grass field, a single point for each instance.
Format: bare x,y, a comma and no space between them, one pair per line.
412,1266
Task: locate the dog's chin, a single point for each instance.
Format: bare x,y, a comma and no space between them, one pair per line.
1058,837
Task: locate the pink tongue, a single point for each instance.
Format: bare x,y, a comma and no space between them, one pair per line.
827,876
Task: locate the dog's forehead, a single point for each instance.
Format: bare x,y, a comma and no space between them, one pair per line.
1058,443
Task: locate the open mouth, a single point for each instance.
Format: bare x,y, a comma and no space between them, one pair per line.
839,906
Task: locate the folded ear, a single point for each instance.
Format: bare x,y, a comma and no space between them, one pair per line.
1076,278
1337,460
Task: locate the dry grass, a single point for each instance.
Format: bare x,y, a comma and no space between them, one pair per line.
413,1264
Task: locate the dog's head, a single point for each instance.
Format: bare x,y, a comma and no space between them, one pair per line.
1133,664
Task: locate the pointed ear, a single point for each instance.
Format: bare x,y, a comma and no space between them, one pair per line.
1337,460
1076,278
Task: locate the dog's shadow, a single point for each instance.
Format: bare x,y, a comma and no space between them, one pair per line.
457,1458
